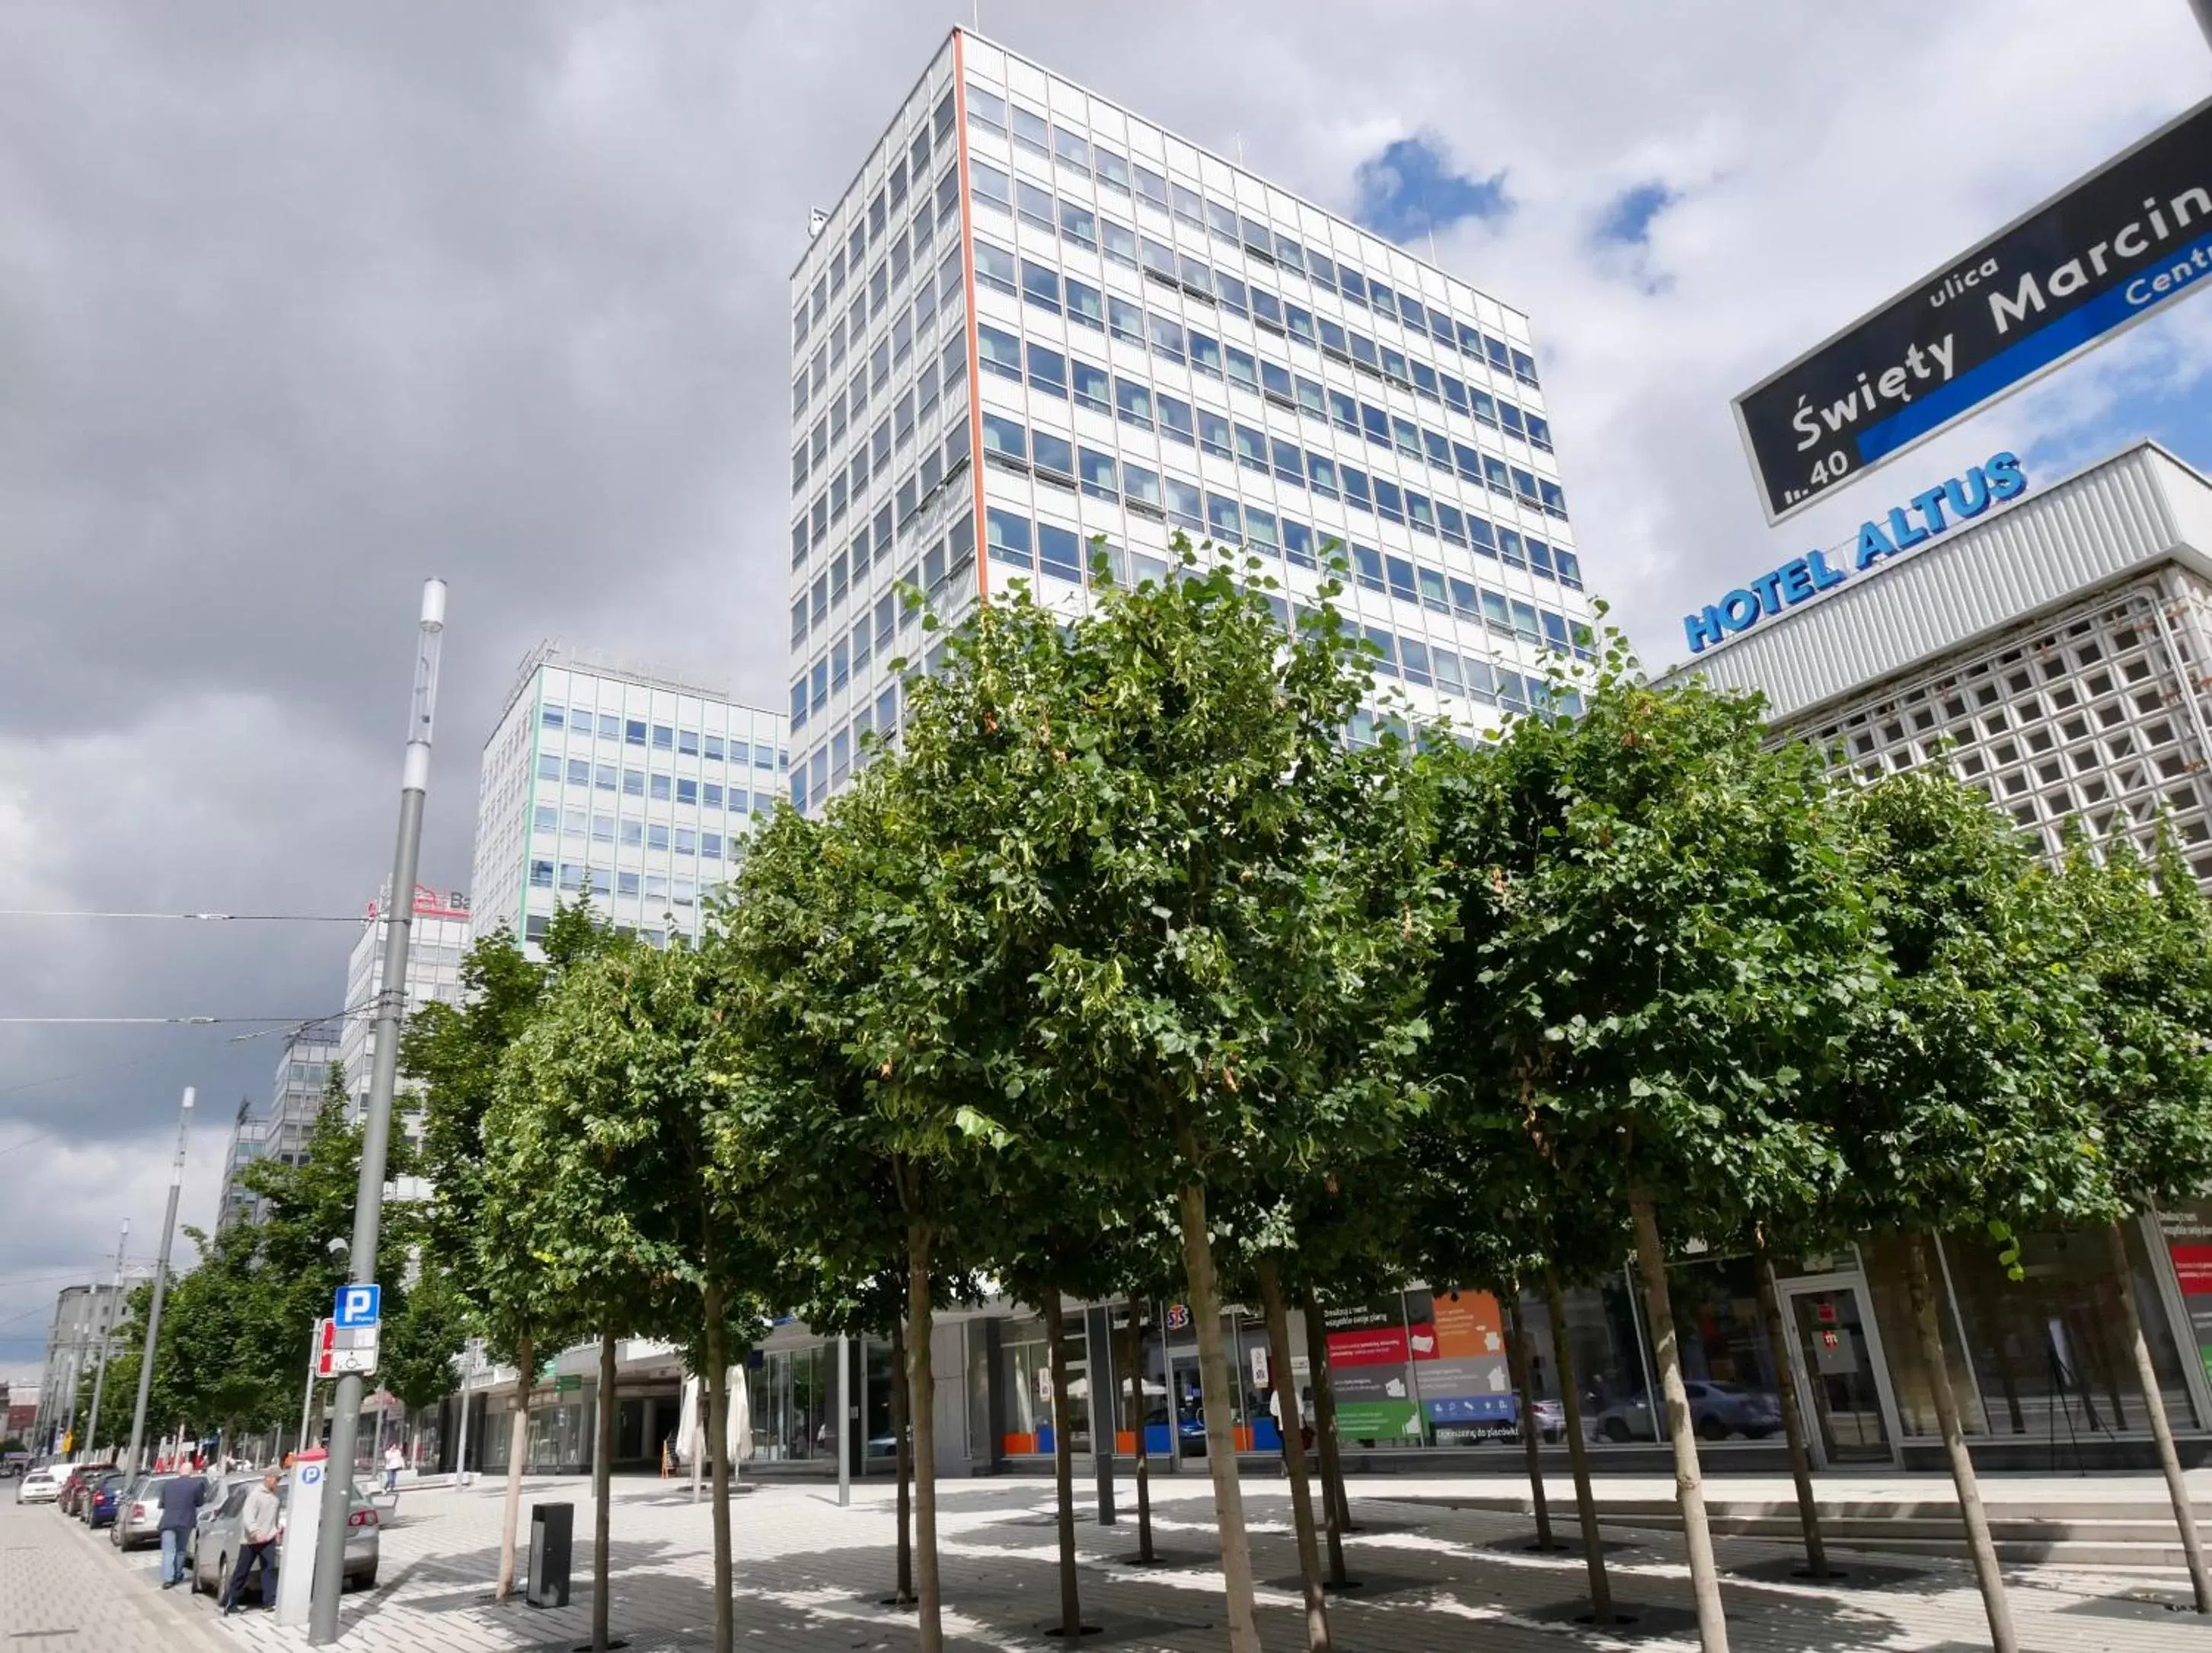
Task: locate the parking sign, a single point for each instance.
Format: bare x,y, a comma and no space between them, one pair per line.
358,1305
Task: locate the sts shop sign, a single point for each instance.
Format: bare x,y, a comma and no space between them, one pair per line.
1923,518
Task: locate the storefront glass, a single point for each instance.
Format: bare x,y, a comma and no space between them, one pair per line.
876,1412
790,1396
1025,1376
2049,1351
1884,1262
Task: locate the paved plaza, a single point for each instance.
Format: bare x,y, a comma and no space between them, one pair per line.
810,1575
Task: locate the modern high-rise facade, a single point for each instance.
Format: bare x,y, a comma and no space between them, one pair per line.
282,1133
84,1317
635,789
1034,318
438,938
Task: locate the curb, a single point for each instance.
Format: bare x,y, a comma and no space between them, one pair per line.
164,1618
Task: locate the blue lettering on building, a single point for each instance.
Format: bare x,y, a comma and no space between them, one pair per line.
1941,508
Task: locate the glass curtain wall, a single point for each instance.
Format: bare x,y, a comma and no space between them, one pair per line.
1025,1375
792,1395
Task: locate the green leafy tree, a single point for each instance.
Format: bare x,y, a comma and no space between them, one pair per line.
559,1137
1971,1100
454,1056
849,968
1663,926
2147,947
1134,799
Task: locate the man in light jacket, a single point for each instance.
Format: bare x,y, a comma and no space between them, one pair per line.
259,1521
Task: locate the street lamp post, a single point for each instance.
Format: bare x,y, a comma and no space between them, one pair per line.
376,1127
153,1344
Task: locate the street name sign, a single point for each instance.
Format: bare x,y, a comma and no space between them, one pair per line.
2100,256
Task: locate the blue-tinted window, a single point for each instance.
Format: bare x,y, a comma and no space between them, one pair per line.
633,732
1540,433
1092,388
1175,417
1432,589
1276,382
1352,283
1321,475
1322,270
1343,412
994,266
1053,455
1388,500
1383,648
1260,530
1059,553
1290,463
1134,401
548,766
661,788
1413,655
1363,352
1098,474
1509,549
1298,542
1085,305
1266,309
554,717
1004,436
1465,603
991,186
1555,499
1225,519
1375,424
1213,433
998,352
1231,292
1400,573
1047,371
1333,339
1424,380
1252,449
1300,323
1041,286
1243,369
1184,506
1570,568
1367,568
1008,538
1167,338
1539,556
1141,487
1451,523
1419,512
1355,488
686,790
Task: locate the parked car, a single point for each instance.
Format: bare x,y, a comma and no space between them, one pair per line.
1551,1420
1717,1411
102,1496
42,1484
213,1541
79,1479
138,1516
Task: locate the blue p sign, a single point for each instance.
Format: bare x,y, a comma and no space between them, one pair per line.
358,1305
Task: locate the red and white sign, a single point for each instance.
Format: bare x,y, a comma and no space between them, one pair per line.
342,1349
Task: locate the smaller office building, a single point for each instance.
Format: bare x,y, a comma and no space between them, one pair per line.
2053,645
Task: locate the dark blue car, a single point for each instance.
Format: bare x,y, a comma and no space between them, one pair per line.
106,1495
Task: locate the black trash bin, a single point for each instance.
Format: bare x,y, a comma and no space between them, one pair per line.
552,1528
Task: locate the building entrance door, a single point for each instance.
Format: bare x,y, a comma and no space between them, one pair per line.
1188,1405
1839,1356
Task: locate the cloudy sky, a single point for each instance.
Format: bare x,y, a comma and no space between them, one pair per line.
300,304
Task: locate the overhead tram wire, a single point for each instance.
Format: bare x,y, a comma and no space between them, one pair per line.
206,918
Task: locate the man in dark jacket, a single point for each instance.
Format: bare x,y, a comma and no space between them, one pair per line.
180,1499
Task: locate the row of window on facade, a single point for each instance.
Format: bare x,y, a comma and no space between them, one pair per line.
656,788
661,737
849,480
1252,237
1136,403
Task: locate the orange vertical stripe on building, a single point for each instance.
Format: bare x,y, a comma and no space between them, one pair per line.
968,275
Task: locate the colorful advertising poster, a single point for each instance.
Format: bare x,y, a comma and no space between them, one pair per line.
1457,1341
2188,1234
1367,1361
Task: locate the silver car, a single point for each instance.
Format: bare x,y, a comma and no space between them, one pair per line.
213,1545
138,1513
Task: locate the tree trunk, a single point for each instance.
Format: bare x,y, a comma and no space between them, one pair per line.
1294,1455
1571,1402
2184,1516
518,1448
1793,1419
1335,1504
1681,1433
2003,1638
903,1463
1524,1387
1214,1379
603,1490
922,1391
1063,1465
715,1402
1133,1344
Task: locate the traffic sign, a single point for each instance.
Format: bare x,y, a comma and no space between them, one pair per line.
358,1305
341,1349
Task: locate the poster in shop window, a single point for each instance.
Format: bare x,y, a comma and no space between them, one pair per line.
1369,1371
1457,1340
2188,1235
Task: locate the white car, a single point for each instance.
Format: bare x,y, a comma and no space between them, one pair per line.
42,1484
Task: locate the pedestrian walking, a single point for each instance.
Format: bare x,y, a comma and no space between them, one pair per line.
394,1459
180,1500
257,1526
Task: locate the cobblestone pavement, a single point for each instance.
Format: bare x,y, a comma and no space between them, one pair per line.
810,1576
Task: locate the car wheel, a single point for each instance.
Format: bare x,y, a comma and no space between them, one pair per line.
1614,1429
1711,1428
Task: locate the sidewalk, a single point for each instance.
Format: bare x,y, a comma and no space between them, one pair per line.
809,1576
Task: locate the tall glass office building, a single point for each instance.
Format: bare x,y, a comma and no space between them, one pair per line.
1034,318
630,788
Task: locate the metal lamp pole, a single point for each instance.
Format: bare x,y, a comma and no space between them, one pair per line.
106,1335
146,1355
376,1129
